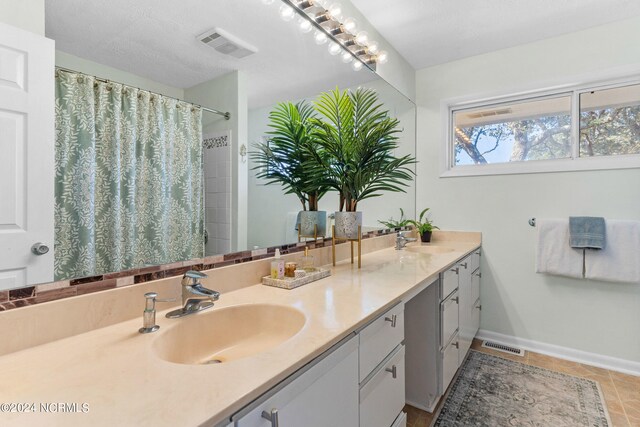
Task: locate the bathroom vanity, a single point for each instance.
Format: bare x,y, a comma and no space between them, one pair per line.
334,352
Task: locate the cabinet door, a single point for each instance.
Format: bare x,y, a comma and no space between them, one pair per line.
449,309
325,395
466,332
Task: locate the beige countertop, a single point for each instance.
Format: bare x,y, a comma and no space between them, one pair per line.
116,371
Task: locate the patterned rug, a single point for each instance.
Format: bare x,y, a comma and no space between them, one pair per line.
492,391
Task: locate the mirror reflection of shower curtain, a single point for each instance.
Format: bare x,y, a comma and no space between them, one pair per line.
128,184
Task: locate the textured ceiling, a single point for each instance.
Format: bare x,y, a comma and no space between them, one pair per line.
430,32
156,39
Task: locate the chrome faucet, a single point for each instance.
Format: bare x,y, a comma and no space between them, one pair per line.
402,240
195,297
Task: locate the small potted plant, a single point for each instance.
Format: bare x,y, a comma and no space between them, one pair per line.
358,139
392,224
286,157
424,226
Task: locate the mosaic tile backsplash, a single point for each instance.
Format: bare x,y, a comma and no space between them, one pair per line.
69,288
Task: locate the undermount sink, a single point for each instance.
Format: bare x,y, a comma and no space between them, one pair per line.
228,334
429,249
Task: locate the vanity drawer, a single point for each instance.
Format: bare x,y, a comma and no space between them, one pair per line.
449,362
382,397
449,281
379,338
450,310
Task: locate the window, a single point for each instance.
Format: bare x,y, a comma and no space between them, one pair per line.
552,131
610,122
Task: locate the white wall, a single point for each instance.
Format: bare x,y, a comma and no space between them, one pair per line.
25,14
598,317
229,93
275,225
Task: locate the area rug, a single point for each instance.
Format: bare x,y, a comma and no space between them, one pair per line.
492,391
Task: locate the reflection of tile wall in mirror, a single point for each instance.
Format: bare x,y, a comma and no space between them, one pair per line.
217,194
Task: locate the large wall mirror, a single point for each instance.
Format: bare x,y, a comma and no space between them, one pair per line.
156,46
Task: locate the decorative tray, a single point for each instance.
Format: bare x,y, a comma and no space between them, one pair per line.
294,282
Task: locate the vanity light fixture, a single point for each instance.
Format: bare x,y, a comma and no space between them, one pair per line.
330,25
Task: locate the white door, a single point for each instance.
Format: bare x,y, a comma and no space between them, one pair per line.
26,156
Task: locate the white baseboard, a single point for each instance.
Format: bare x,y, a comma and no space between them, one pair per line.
593,359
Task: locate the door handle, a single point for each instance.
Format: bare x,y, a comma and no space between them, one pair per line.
272,417
39,248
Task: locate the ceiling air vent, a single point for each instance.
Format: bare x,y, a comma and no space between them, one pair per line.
226,43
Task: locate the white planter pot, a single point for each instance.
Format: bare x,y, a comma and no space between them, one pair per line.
309,220
347,224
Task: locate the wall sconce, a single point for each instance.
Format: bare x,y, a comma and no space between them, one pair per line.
243,153
330,25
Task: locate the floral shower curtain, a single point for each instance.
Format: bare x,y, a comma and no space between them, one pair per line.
128,184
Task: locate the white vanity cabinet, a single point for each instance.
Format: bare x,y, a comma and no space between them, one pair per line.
442,321
382,370
324,394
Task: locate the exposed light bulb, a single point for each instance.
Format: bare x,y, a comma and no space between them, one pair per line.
287,13
357,65
350,25
334,48
346,57
373,47
320,37
362,38
304,25
268,2
335,10
382,57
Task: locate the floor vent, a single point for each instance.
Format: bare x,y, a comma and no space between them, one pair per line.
503,348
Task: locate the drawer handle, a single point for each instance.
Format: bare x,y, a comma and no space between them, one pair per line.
393,370
456,344
478,253
456,299
463,264
479,307
455,270
479,274
272,417
392,319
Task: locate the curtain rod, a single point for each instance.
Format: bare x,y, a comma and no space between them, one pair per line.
226,115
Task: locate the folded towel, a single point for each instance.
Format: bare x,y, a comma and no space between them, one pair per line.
587,232
554,255
620,260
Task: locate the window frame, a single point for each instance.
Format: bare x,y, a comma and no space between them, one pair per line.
574,163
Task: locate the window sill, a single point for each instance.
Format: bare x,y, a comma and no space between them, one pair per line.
545,166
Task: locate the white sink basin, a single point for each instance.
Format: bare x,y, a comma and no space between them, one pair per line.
429,249
227,334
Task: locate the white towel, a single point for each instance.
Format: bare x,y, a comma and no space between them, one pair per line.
619,261
554,255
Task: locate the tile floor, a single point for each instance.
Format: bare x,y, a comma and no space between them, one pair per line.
621,392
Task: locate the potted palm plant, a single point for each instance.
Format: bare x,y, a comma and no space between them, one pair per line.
424,226
291,147
357,139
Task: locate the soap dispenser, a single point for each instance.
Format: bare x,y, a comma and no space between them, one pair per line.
277,266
